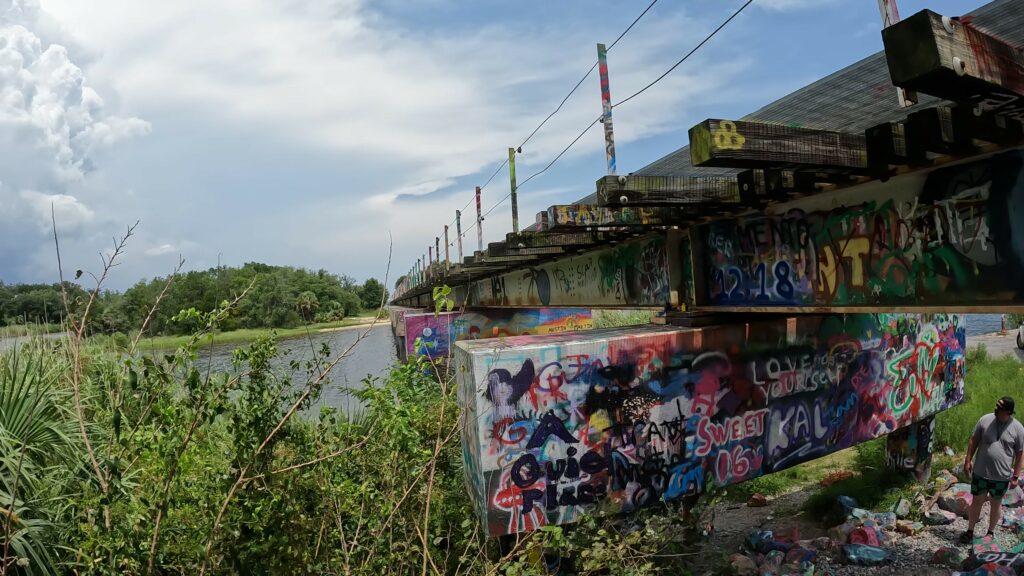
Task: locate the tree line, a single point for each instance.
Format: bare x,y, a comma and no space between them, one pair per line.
279,297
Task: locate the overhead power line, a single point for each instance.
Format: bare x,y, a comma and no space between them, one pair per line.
558,108
683,59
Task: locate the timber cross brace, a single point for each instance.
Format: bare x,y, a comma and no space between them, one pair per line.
815,270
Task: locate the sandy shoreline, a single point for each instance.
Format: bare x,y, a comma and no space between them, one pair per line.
353,326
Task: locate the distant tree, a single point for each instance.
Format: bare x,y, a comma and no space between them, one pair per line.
399,281
307,305
372,294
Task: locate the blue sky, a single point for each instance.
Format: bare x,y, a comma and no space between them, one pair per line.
309,133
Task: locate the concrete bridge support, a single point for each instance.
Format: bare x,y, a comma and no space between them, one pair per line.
614,420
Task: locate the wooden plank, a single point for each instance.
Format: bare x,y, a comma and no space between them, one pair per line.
954,60
570,216
739,144
666,190
540,239
930,132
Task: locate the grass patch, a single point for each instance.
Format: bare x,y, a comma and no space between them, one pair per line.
20,330
248,334
874,487
791,479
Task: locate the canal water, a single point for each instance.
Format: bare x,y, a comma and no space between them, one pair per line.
372,357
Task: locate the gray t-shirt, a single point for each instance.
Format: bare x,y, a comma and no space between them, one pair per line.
997,443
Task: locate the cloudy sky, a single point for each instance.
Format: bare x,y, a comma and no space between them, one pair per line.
310,132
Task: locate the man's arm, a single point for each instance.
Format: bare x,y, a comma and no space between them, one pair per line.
1018,459
972,447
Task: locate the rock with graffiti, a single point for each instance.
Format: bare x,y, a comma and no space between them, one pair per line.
633,273
613,420
431,335
953,236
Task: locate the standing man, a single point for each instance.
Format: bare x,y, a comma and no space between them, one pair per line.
993,463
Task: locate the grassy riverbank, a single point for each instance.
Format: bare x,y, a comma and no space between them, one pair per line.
19,330
248,335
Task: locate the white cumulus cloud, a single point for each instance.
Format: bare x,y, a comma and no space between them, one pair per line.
51,124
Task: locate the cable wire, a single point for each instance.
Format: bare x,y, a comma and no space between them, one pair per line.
587,75
557,110
683,59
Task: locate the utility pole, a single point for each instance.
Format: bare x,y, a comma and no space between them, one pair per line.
447,252
606,108
479,223
512,178
458,232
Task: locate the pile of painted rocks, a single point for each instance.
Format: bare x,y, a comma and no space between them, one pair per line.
783,555
863,534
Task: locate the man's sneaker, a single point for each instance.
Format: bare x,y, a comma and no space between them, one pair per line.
967,537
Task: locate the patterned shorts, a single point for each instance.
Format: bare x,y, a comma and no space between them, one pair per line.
995,488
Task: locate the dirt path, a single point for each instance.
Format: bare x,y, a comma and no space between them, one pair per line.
997,345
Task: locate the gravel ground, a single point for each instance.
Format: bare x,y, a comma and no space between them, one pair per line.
911,554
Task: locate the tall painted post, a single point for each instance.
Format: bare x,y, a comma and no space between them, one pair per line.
479,223
426,267
606,108
447,251
890,16
458,232
430,262
437,252
512,178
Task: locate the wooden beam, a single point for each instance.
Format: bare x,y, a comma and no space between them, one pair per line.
954,60
571,216
739,144
687,191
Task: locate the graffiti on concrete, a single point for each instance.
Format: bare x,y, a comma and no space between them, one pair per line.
632,274
614,420
957,236
431,335
909,450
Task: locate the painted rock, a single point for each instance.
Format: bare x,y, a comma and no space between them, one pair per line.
743,565
801,569
864,555
757,501
909,528
772,563
1006,559
800,555
847,503
860,514
936,517
841,533
902,508
946,478
948,556
957,502
865,535
988,570
885,519
1014,497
